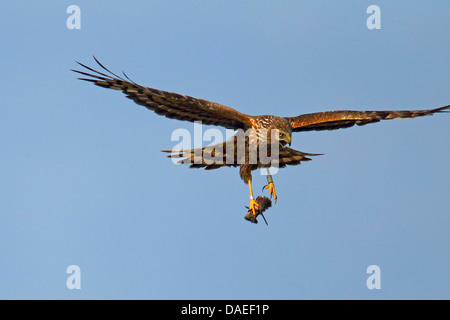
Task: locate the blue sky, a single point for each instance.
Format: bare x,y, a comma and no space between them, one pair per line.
83,182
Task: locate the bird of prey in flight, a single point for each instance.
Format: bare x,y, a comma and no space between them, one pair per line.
186,108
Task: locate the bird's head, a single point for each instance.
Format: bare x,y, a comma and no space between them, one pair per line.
284,137
284,132
277,128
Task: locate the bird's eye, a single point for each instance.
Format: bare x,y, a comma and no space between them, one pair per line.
280,135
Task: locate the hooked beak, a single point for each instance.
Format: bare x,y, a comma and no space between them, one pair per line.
289,141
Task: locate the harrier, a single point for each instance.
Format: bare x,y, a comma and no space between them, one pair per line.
186,108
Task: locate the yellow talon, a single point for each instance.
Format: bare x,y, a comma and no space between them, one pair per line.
271,188
253,206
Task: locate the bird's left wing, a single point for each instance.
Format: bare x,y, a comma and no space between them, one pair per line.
169,104
332,120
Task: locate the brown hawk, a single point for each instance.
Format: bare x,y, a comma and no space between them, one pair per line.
186,108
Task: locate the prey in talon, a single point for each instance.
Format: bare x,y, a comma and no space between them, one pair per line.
264,203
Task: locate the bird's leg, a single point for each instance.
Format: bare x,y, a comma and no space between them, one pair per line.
270,185
253,204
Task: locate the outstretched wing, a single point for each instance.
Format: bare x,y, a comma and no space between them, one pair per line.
169,104
333,120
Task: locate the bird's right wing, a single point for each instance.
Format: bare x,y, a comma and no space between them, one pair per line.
332,120
169,104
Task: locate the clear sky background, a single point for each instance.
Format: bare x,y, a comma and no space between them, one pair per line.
82,180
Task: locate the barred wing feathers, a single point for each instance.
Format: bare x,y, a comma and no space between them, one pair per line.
332,120
169,104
